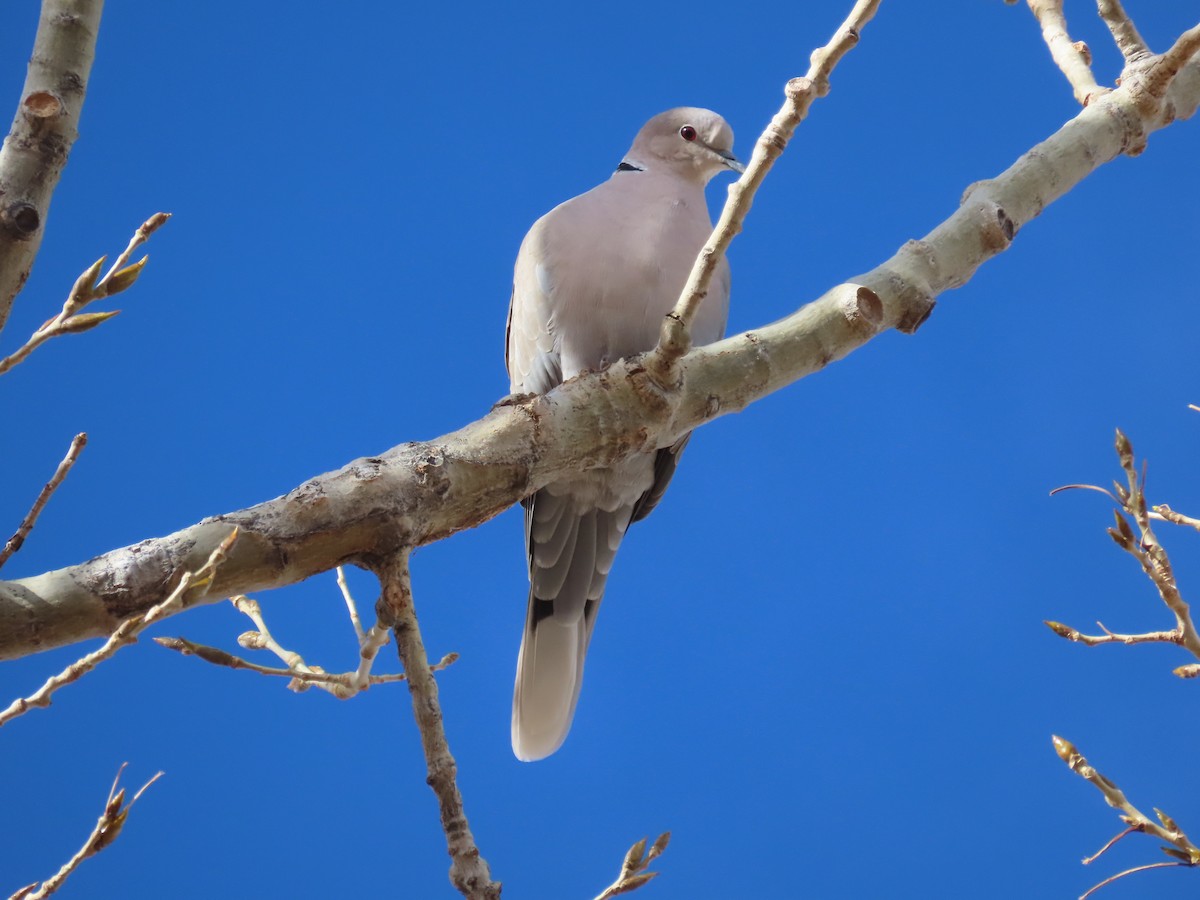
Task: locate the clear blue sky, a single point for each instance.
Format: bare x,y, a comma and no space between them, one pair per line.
820,663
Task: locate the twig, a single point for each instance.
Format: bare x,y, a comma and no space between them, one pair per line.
86,290
18,539
1072,57
1110,637
1109,844
675,338
107,830
126,633
1135,869
351,606
1164,512
348,682
633,868
1146,549
1124,32
147,228
469,871
1165,829
304,676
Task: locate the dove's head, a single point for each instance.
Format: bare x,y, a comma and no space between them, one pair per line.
692,142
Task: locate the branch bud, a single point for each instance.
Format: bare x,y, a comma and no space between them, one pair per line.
1066,750
85,322
125,278
251,640
1063,631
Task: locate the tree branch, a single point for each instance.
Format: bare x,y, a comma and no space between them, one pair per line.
43,130
1150,553
422,492
64,468
1124,32
1182,849
633,873
87,290
301,675
126,633
468,869
108,829
1168,66
675,338
1072,57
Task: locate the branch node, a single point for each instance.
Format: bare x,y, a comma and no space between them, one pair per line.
41,105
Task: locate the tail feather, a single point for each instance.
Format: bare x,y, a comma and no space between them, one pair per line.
570,554
549,675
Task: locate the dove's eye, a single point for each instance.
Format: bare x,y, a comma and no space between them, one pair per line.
688,133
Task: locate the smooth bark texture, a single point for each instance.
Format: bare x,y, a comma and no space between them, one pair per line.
418,493
43,130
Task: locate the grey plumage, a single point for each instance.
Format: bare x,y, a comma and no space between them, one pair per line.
593,280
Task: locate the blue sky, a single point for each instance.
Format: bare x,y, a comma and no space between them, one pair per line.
820,663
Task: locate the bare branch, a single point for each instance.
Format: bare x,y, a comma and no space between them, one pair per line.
1169,65
18,539
348,681
1133,871
343,686
633,868
351,606
111,282
468,869
1072,57
87,290
1164,512
1109,637
1146,549
1124,32
675,339
422,492
126,633
107,830
1165,829
1109,844
43,130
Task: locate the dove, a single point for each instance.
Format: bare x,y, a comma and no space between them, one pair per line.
593,280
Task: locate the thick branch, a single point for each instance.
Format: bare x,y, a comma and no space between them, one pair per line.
125,634
418,493
43,130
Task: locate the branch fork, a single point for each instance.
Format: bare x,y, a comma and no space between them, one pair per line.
675,338
1145,547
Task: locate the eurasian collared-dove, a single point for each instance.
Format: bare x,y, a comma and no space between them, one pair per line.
594,278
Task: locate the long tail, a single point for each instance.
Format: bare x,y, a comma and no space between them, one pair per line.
570,554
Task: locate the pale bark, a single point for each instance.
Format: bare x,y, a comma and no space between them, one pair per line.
469,871
43,130
422,492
